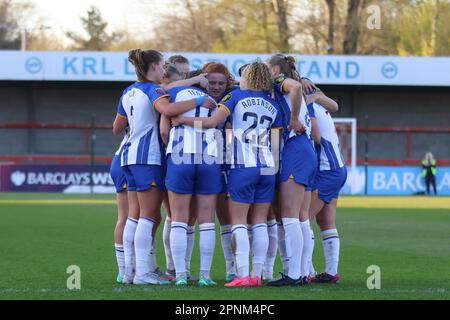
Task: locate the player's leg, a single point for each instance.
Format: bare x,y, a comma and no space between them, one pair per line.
330,241
122,215
272,231
260,244
225,235
191,237
205,208
120,184
276,209
329,188
242,193
315,207
240,243
208,185
180,183
149,187
180,207
291,196
170,267
153,263
149,203
129,230
306,233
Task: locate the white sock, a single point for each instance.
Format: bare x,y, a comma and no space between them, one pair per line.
207,246
312,271
282,247
260,244
143,245
190,234
307,249
128,245
178,245
152,263
166,241
120,257
294,246
240,236
250,238
225,237
331,243
272,231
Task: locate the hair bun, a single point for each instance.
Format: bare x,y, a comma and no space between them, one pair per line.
135,56
292,62
291,59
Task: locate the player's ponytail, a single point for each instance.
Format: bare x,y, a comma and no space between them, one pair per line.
287,65
141,60
292,64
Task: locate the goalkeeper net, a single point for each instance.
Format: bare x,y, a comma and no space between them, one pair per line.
347,130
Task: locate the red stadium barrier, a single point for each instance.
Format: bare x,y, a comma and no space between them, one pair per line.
54,159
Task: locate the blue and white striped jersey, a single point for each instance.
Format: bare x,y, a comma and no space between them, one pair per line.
284,100
329,152
124,140
186,139
137,105
253,114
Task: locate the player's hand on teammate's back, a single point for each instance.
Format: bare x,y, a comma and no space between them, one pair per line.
296,126
310,98
308,86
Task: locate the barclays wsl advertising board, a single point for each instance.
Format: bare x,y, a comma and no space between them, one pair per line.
86,179
328,69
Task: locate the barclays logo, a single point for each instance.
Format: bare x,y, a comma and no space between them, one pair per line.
389,70
18,178
33,65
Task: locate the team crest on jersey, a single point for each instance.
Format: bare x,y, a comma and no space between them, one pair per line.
226,98
160,91
279,79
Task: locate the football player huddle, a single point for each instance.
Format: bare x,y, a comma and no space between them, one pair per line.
262,156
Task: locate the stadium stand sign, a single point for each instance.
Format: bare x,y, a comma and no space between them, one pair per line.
385,180
56,178
332,69
382,180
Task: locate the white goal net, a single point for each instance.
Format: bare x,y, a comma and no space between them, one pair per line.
347,131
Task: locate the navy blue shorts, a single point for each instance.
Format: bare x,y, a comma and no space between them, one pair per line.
118,175
193,178
141,177
299,161
329,183
225,171
247,185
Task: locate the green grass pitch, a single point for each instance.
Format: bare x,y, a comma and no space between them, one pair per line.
40,240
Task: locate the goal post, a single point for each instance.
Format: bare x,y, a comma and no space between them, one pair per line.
347,130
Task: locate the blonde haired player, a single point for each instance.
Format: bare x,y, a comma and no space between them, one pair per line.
252,175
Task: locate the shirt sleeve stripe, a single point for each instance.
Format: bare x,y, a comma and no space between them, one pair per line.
121,116
164,96
224,106
281,86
